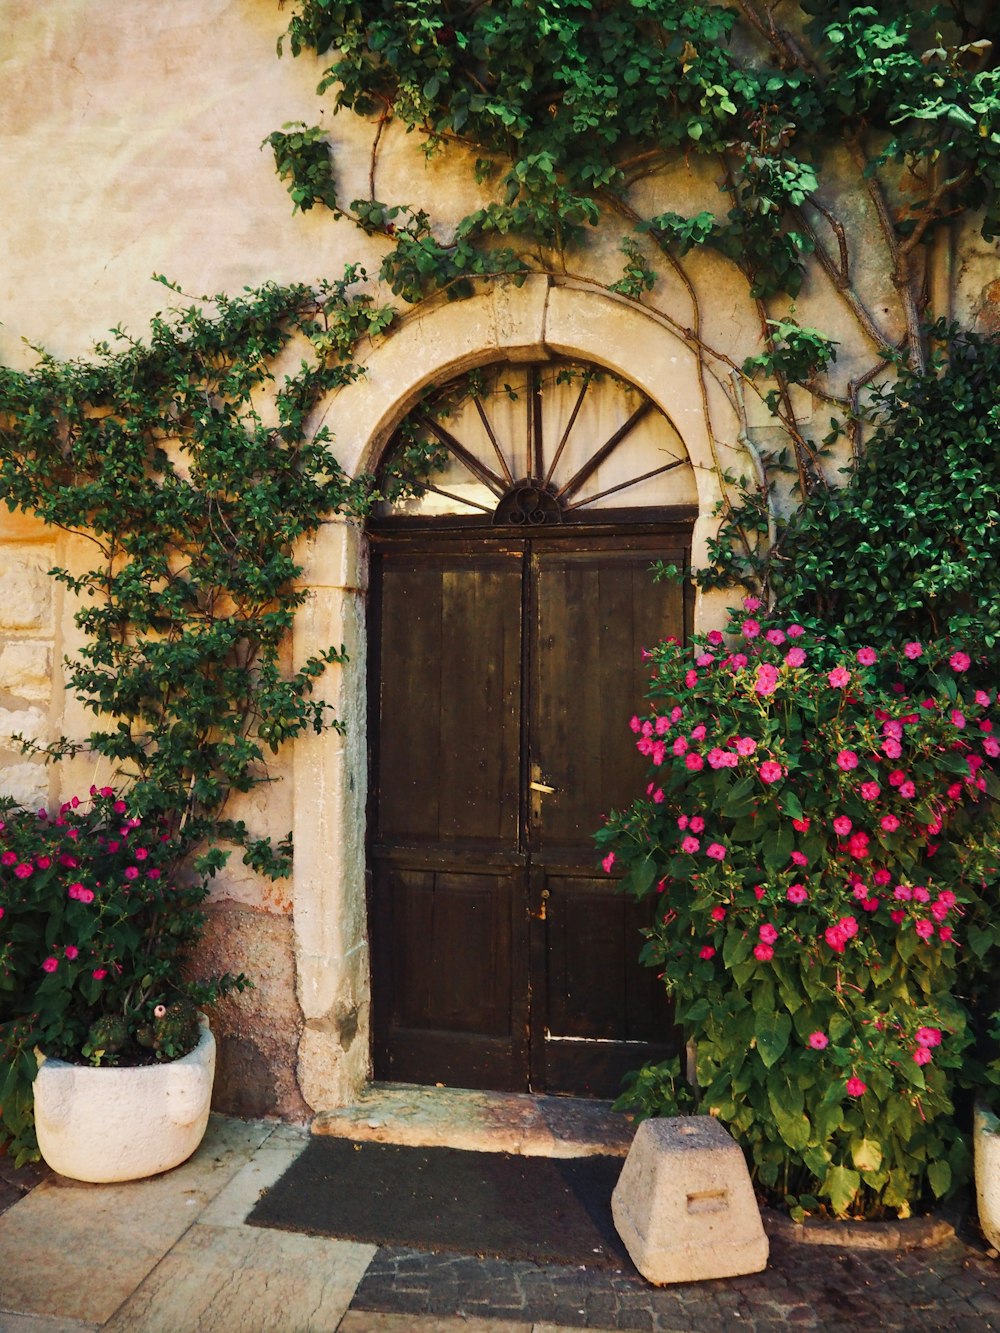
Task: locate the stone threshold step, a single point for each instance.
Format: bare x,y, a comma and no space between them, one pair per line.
511,1122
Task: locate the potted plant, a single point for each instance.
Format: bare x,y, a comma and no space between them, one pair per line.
819,832
99,1018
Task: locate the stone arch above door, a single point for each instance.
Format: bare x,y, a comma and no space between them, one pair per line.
538,320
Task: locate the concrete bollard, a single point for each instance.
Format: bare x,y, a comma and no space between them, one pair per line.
684,1205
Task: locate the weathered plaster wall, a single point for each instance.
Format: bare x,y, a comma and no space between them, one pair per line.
130,135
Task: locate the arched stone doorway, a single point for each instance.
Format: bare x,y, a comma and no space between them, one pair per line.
510,601
532,324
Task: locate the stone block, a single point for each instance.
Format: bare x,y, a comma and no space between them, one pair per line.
25,592
684,1205
26,669
986,1141
26,783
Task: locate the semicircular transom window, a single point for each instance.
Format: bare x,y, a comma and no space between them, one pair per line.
529,445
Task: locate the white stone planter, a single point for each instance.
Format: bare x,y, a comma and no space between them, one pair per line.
104,1125
986,1136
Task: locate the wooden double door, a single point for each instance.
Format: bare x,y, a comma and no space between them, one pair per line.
504,673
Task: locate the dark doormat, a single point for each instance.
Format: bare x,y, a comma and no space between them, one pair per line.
546,1209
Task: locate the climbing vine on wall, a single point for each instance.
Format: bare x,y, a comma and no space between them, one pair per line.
187,463
573,110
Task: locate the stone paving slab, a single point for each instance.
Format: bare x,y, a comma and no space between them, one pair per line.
511,1122
269,1163
238,1280
357,1321
33,1323
75,1251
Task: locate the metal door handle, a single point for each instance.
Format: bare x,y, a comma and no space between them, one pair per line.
543,914
541,786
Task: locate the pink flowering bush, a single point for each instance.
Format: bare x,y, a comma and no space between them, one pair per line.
96,928
818,878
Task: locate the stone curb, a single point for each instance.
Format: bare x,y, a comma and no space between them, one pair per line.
915,1233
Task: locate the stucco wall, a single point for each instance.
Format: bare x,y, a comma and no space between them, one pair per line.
130,135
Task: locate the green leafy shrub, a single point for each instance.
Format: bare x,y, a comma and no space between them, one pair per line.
910,545
819,827
97,928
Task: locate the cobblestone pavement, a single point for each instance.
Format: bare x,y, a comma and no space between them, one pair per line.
953,1288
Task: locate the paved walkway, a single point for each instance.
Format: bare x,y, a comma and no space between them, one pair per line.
173,1255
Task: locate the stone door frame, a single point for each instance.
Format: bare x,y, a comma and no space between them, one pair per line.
542,318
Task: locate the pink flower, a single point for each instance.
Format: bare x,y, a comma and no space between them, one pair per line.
680,745
855,1088
71,951
23,870
767,679
799,858
635,724
770,771
694,762
706,952
839,677
920,894
691,679
897,777
775,636
721,758
716,851
43,862
8,858
750,629
608,862
690,845
891,748
960,661
847,759
658,799
768,934
752,603
898,915
866,656
50,964
945,933
907,790
836,938
759,892
857,845
795,631
913,650
801,825
718,914
889,823
796,893
131,872
763,953
991,747
928,1037
697,824
99,973
819,1041
682,821
902,893
714,637
699,732
849,926
704,660
737,661
922,1056
842,826
925,929
795,657
745,745
957,718
983,699
870,791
